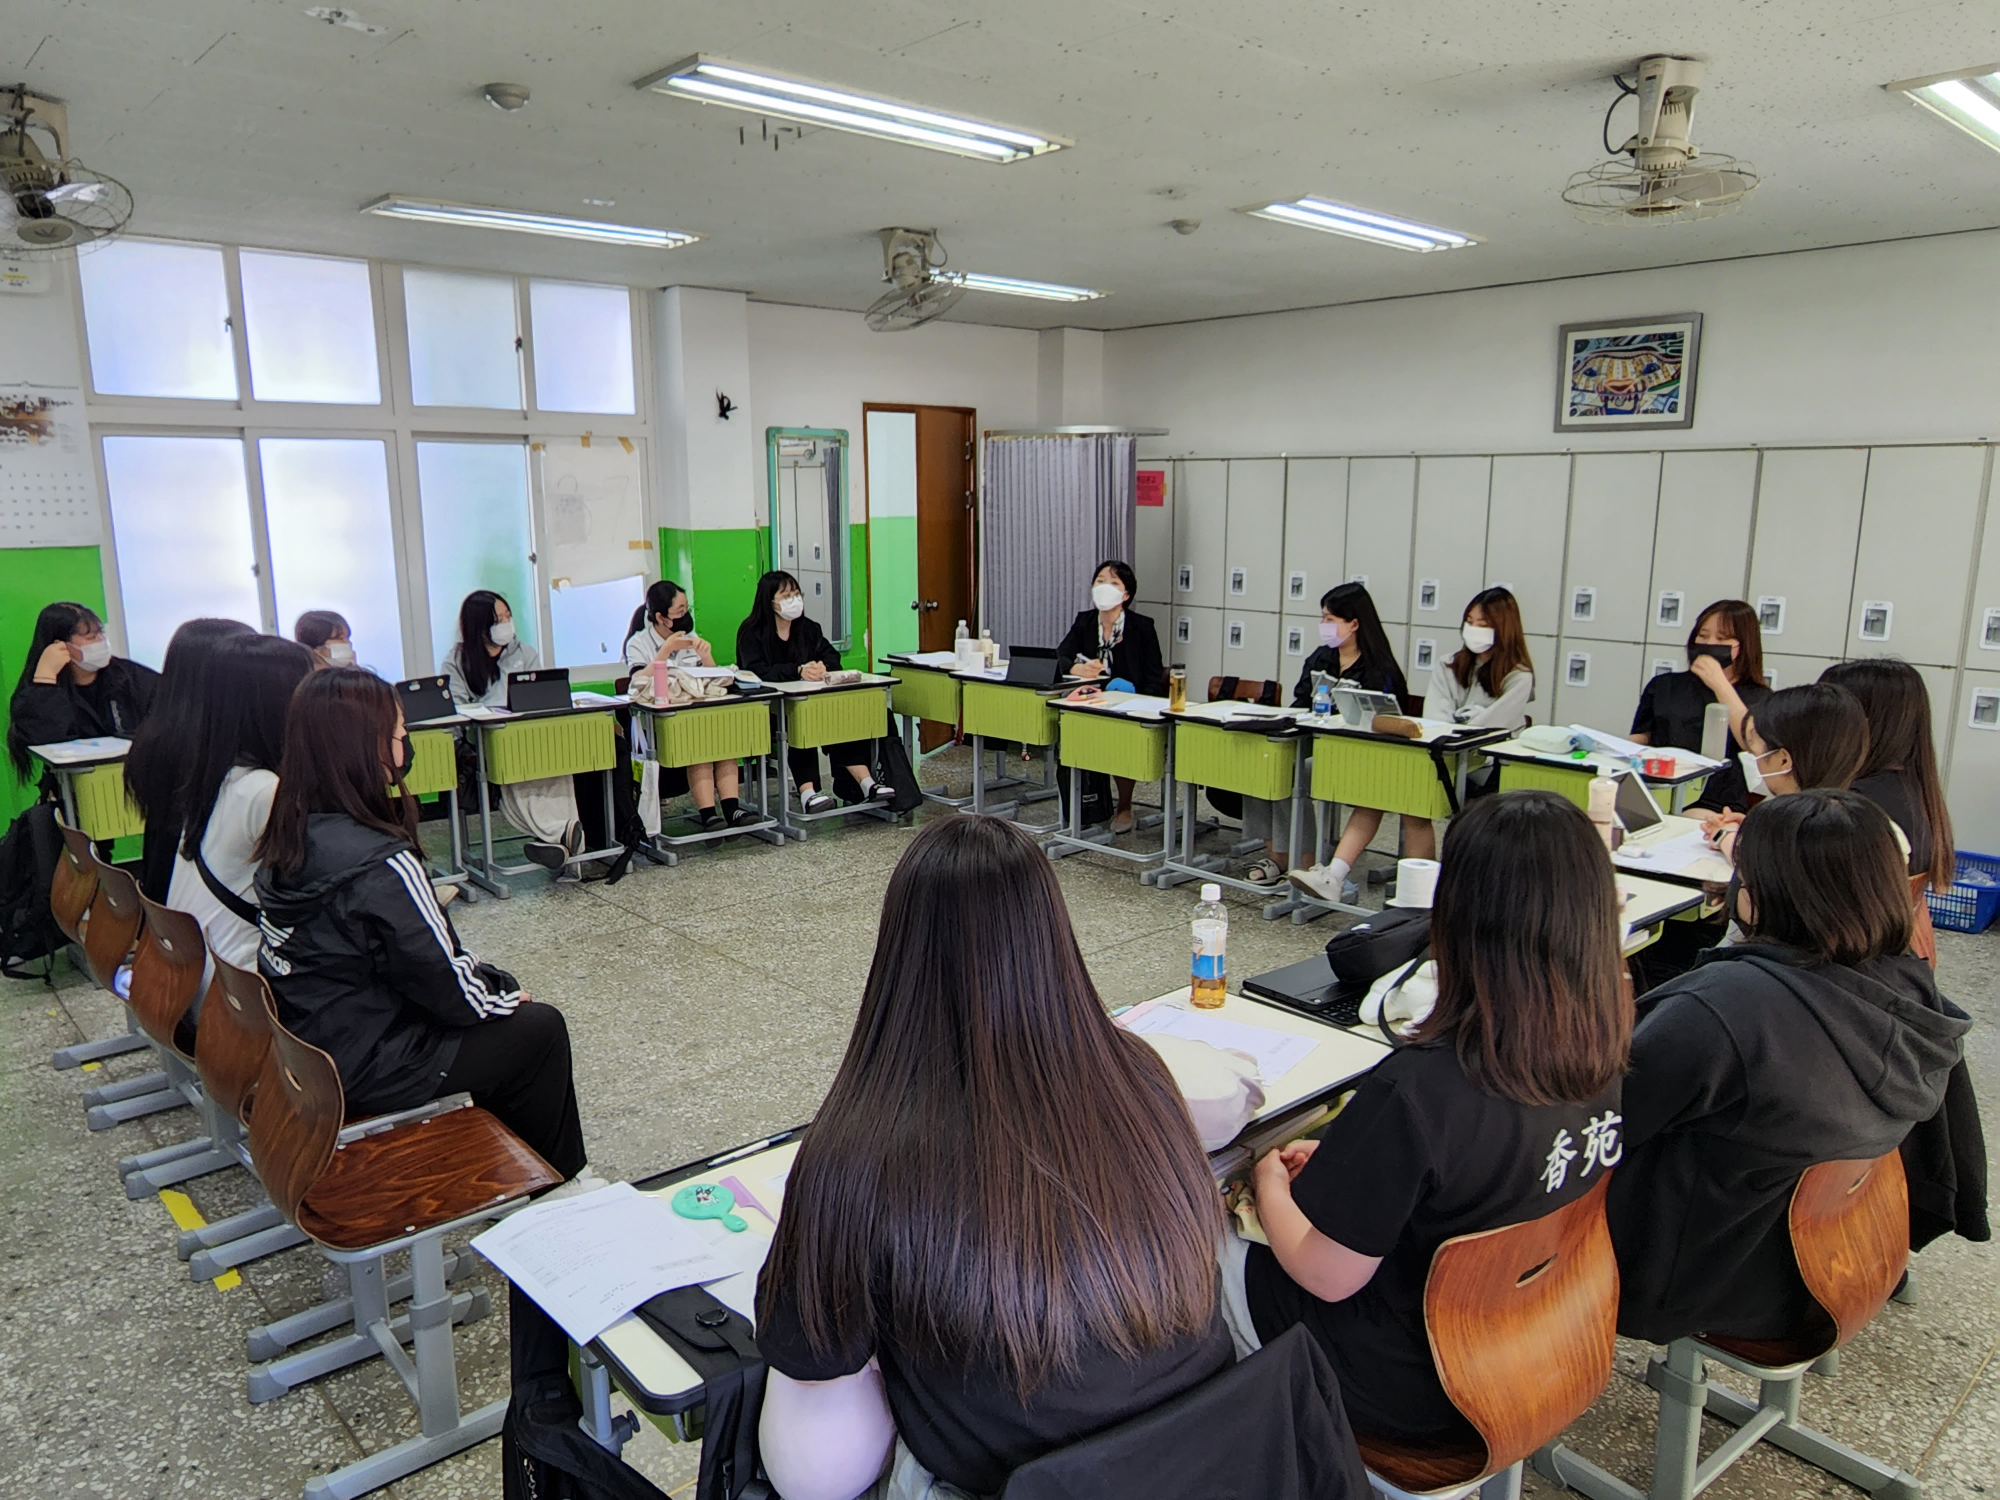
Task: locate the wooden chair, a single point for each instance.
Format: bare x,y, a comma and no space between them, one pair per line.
1246,690
75,884
1850,1229
110,928
1522,1323
363,1191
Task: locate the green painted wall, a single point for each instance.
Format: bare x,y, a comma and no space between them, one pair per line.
860,572
31,577
719,569
892,561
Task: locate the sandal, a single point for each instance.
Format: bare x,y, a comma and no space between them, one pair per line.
1265,872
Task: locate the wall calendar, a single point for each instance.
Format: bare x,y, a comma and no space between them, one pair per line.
48,490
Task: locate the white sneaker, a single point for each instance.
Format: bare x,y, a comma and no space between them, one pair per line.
1319,882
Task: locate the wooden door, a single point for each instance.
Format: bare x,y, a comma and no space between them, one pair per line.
946,579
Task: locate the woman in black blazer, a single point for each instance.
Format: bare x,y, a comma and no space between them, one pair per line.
1110,642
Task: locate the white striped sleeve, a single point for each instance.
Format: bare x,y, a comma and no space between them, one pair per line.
484,1000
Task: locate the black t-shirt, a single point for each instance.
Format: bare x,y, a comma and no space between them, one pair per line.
1670,714
969,1426
1420,1154
1895,792
1378,677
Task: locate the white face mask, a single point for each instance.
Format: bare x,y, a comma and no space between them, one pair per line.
1106,595
1753,773
1478,638
96,656
792,606
339,654
502,633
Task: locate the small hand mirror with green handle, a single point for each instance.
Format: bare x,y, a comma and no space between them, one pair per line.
707,1200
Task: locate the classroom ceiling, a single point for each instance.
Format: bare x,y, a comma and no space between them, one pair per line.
250,121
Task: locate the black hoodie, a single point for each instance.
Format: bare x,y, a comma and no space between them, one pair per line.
1746,1070
365,965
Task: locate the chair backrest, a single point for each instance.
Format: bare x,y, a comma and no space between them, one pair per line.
1522,1322
234,1036
115,918
166,970
1245,690
75,883
295,1118
1850,1223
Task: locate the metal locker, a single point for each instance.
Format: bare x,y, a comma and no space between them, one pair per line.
1526,519
1942,685
1982,636
1192,638
1614,499
1315,531
1429,645
1912,565
1596,683
1250,646
1542,652
1448,560
1701,547
1153,544
1802,551
1972,788
788,519
1201,510
1254,543
1298,638
1785,671
1381,500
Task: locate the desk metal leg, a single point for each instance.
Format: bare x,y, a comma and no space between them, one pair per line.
483,876
78,1053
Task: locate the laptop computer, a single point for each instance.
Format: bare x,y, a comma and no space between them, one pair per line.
425,698
1637,813
1310,987
538,692
1030,666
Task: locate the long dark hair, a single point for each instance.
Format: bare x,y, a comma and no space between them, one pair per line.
56,622
1524,927
1824,727
659,601
762,621
475,621
1122,571
1740,618
338,759
1510,642
998,1174
1898,706
1352,601
1824,875
241,706
315,627
162,753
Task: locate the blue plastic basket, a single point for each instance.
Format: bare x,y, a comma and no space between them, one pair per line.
1967,907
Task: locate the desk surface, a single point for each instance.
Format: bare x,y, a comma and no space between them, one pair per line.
80,755
1677,852
761,694
800,689
489,716
1654,900
1603,763
1118,705
1459,736
1227,714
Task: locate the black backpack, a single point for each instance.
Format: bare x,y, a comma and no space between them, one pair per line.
28,928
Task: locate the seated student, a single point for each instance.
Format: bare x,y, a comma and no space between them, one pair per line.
1818,1039
664,627
1354,649
1900,772
1798,738
156,767
232,774
327,635
1503,1109
72,687
360,955
1672,705
1112,642
780,644
983,1294
543,809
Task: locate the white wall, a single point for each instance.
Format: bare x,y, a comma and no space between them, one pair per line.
1884,343
711,469
39,336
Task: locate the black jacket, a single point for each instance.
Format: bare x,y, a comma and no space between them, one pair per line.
47,713
365,965
1385,678
1136,657
1746,1070
1944,1159
759,650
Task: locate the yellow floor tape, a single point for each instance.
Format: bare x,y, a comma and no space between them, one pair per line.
187,1216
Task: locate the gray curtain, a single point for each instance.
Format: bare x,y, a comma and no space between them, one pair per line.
1054,508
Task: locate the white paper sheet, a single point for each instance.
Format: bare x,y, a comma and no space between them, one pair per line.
931,658
1139,706
485,711
588,1261
1690,856
75,752
1277,1052
587,699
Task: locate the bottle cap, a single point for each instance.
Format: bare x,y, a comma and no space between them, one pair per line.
1211,892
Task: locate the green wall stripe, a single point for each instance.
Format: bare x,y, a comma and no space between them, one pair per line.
892,555
31,577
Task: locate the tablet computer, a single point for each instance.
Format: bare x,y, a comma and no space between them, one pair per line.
425,698
1031,666
538,692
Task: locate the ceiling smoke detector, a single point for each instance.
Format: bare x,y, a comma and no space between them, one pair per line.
506,97
1659,176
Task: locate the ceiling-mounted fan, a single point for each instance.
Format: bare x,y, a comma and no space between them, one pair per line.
1659,176
48,199
913,264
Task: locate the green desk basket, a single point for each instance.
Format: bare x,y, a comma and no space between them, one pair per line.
542,748
1130,748
1234,760
835,718
999,712
727,731
925,695
103,810
1368,773
433,767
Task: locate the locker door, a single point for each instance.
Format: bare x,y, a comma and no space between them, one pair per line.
1784,671
1612,507
1430,643
1201,512
1542,652
1526,521
1802,553
1194,640
1702,548
1153,543
1381,500
1250,645
788,520
1972,790
1912,567
1597,683
1982,637
1315,531
1254,544
1448,561
1942,685
811,532
1298,638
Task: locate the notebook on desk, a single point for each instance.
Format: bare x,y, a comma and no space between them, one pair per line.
425,698
541,691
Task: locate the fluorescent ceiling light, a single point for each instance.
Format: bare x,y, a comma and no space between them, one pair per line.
1338,218
473,216
714,81
1011,286
1970,100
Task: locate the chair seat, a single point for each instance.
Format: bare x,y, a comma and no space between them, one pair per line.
418,1176
1423,1467
1771,1354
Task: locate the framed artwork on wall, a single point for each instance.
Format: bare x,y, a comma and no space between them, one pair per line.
1639,373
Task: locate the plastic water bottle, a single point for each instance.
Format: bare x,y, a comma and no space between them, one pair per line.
1322,695
960,634
1207,979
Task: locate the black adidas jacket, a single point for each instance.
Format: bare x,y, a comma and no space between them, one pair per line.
365,965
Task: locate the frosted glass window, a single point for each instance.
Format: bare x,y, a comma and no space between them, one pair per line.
180,513
464,339
477,533
157,318
589,620
583,346
326,508
310,323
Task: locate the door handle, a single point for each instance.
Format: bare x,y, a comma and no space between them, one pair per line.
915,605
930,604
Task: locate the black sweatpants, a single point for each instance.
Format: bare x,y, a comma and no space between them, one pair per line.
518,1067
805,767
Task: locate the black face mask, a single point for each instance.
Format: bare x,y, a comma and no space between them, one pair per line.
1722,654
